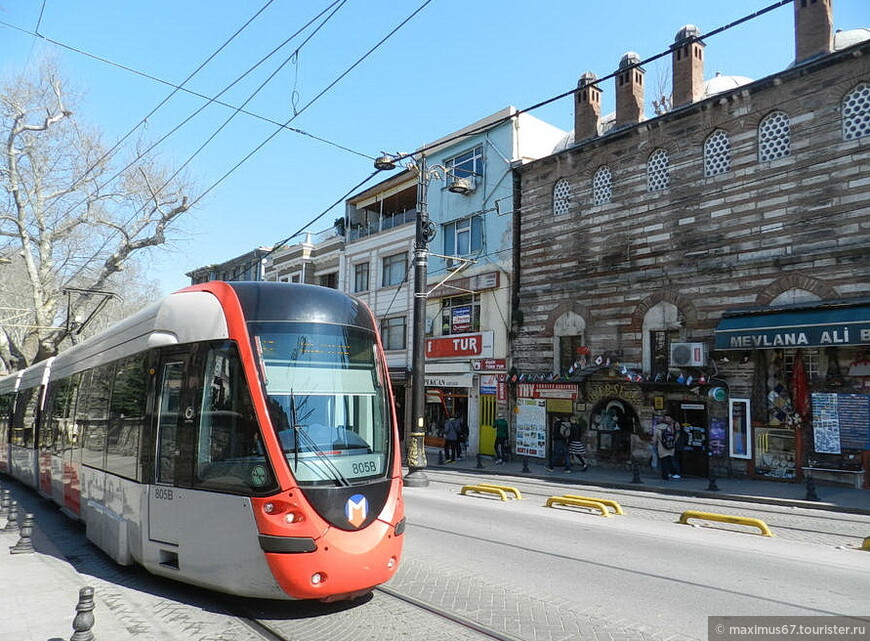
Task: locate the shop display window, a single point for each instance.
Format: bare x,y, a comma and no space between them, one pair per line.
774,453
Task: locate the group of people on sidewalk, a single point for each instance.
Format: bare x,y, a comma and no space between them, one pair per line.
455,433
567,445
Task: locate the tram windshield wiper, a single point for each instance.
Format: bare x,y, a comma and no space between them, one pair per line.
312,446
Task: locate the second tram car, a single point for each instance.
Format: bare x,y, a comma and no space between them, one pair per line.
236,436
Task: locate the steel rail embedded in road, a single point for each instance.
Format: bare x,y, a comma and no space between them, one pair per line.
449,616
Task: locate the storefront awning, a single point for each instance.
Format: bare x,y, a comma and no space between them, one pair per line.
818,324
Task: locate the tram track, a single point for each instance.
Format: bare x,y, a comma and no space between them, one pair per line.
306,621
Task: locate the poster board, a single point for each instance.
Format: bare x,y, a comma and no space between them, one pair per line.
840,421
531,439
739,437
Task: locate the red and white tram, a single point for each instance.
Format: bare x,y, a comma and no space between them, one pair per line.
236,436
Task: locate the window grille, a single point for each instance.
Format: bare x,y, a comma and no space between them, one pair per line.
658,174
561,197
856,112
774,137
602,186
717,154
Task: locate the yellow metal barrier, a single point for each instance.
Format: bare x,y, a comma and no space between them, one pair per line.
725,518
866,544
484,489
506,488
565,500
613,505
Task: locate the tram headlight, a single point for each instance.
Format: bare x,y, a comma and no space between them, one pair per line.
391,563
317,578
268,508
292,517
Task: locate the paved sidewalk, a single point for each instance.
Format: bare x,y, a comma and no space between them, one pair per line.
830,497
41,590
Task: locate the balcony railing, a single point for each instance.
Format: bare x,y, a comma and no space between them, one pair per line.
387,221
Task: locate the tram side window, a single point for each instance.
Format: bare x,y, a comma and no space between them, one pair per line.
94,415
6,403
62,403
24,417
126,417
230,456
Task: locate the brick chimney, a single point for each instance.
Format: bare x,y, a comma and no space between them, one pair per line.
813,28
587,108
687,62
629,90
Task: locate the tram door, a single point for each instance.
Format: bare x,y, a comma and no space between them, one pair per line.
175,418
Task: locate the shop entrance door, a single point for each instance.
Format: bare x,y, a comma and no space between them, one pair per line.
692,417
486,431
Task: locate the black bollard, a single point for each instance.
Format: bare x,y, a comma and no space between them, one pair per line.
479,465
811,489
25,543
84,619
4,503
440,457
711,485
525,465
635,473
12,522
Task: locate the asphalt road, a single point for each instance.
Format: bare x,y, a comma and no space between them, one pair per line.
640,574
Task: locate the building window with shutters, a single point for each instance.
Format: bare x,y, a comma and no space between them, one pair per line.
658,171
561,197
717,154
602,186
856,112
774,137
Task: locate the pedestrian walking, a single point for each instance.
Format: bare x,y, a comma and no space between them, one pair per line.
452,433
665,438
576,446
501,439
560,431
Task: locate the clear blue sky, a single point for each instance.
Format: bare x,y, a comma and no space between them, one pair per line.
453,63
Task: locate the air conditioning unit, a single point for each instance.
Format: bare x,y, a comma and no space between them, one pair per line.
463,185
688,354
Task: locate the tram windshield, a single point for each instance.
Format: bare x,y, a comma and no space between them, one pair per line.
327,399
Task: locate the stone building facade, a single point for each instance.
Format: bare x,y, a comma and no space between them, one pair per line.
645,246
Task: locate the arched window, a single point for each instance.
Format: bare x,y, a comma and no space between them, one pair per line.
561,197
658,170
717,153
568,344
774,137
856,112
661,327
602,186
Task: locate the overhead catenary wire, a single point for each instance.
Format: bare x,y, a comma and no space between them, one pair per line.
340,3
163,102
494,123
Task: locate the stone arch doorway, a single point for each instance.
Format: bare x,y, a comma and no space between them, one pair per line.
615,420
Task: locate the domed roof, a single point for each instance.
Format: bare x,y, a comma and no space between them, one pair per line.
720,84
605,124
586,79
628,60
845,39
688,32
